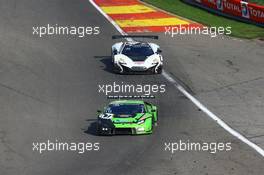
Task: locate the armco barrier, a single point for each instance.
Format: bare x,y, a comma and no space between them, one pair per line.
237,9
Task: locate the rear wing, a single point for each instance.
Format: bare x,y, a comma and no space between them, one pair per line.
131,97
135,36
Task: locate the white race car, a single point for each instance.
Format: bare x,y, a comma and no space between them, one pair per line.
136,56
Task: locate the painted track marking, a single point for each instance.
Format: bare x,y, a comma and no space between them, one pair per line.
127,9
136,16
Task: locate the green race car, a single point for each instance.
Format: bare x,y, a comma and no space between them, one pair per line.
127,117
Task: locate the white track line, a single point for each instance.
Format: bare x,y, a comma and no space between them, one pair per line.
213,116
189,96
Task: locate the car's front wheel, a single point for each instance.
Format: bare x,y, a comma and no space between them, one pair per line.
117,69
98,130
159,70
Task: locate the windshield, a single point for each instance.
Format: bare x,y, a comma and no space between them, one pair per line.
138,52
125,109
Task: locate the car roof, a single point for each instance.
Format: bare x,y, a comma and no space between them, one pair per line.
127,102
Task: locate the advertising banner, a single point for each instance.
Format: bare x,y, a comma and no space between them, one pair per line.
236,8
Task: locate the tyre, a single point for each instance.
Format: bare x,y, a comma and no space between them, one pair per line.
156,122
98,130
117,70
112,57
159,71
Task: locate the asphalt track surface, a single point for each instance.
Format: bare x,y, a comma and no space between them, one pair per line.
49,90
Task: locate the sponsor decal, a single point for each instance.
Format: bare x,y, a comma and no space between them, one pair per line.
219,4
229,5
256,13
107,116
237,8
244,9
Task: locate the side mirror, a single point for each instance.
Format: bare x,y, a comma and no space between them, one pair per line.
114,52
159,51
99,111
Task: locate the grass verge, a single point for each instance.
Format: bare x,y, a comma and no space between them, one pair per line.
260,2
239,29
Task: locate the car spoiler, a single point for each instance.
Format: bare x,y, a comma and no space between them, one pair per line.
130,97
135,36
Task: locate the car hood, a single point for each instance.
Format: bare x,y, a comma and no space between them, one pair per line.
131,59
138,58
127,119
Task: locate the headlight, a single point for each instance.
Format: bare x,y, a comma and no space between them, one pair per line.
122,61
140,129
155,61
141,121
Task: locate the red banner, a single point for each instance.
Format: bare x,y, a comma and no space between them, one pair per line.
237,8
256,12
